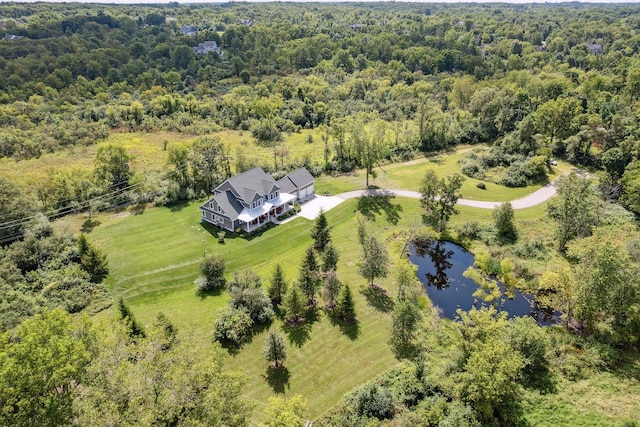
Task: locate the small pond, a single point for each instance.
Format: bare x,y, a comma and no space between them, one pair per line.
441,266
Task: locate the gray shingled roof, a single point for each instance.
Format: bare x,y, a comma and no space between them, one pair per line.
286,185
301,178
229,204
249,184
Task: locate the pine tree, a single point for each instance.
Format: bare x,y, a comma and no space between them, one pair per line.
83,245
126,315
346,308
321,232
95,263
308,279
293,305
330,261
275,349
278,286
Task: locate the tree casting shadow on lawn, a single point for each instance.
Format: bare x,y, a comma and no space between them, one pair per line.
350,329
210,293
277,378
89,225
378,298
378,205
300,333
233,348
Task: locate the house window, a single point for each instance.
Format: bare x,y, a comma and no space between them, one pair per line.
277,193
204,214
211,205
219,208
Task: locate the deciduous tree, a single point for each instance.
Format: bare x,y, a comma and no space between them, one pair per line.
575,209
503,220
111,166
42,368
374,261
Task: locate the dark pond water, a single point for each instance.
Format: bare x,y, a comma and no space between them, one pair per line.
440,269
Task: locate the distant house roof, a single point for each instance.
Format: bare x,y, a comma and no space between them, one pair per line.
206,47
595,48
189,30
297,179
248,22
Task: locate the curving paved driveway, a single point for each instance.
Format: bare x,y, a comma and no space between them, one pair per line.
311,209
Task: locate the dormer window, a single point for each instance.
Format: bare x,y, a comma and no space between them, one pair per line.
277,193
219,208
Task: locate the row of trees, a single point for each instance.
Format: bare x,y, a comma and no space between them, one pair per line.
507,86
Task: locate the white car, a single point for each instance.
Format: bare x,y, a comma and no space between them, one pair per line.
553,162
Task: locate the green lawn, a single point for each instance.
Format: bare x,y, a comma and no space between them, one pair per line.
407,176
153,257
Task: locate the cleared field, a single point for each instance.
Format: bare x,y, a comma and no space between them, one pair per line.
408,175
154,258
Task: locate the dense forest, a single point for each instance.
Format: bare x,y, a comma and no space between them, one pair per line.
375,83
528,79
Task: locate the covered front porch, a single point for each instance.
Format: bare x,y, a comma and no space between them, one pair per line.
252,219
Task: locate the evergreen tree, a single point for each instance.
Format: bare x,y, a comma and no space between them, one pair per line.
330,260
293,305
308,279
95,263
83,244
321,232
278,286
275,349
134,329
346,309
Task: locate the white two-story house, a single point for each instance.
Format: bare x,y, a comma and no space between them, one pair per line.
254,198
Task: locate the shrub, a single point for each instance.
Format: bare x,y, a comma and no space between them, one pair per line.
481,186
212,269
221,236
472,169
469,230
515,175
246,292
232,324
370,400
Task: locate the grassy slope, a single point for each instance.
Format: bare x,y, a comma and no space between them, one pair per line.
407,176
154,259
147,150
